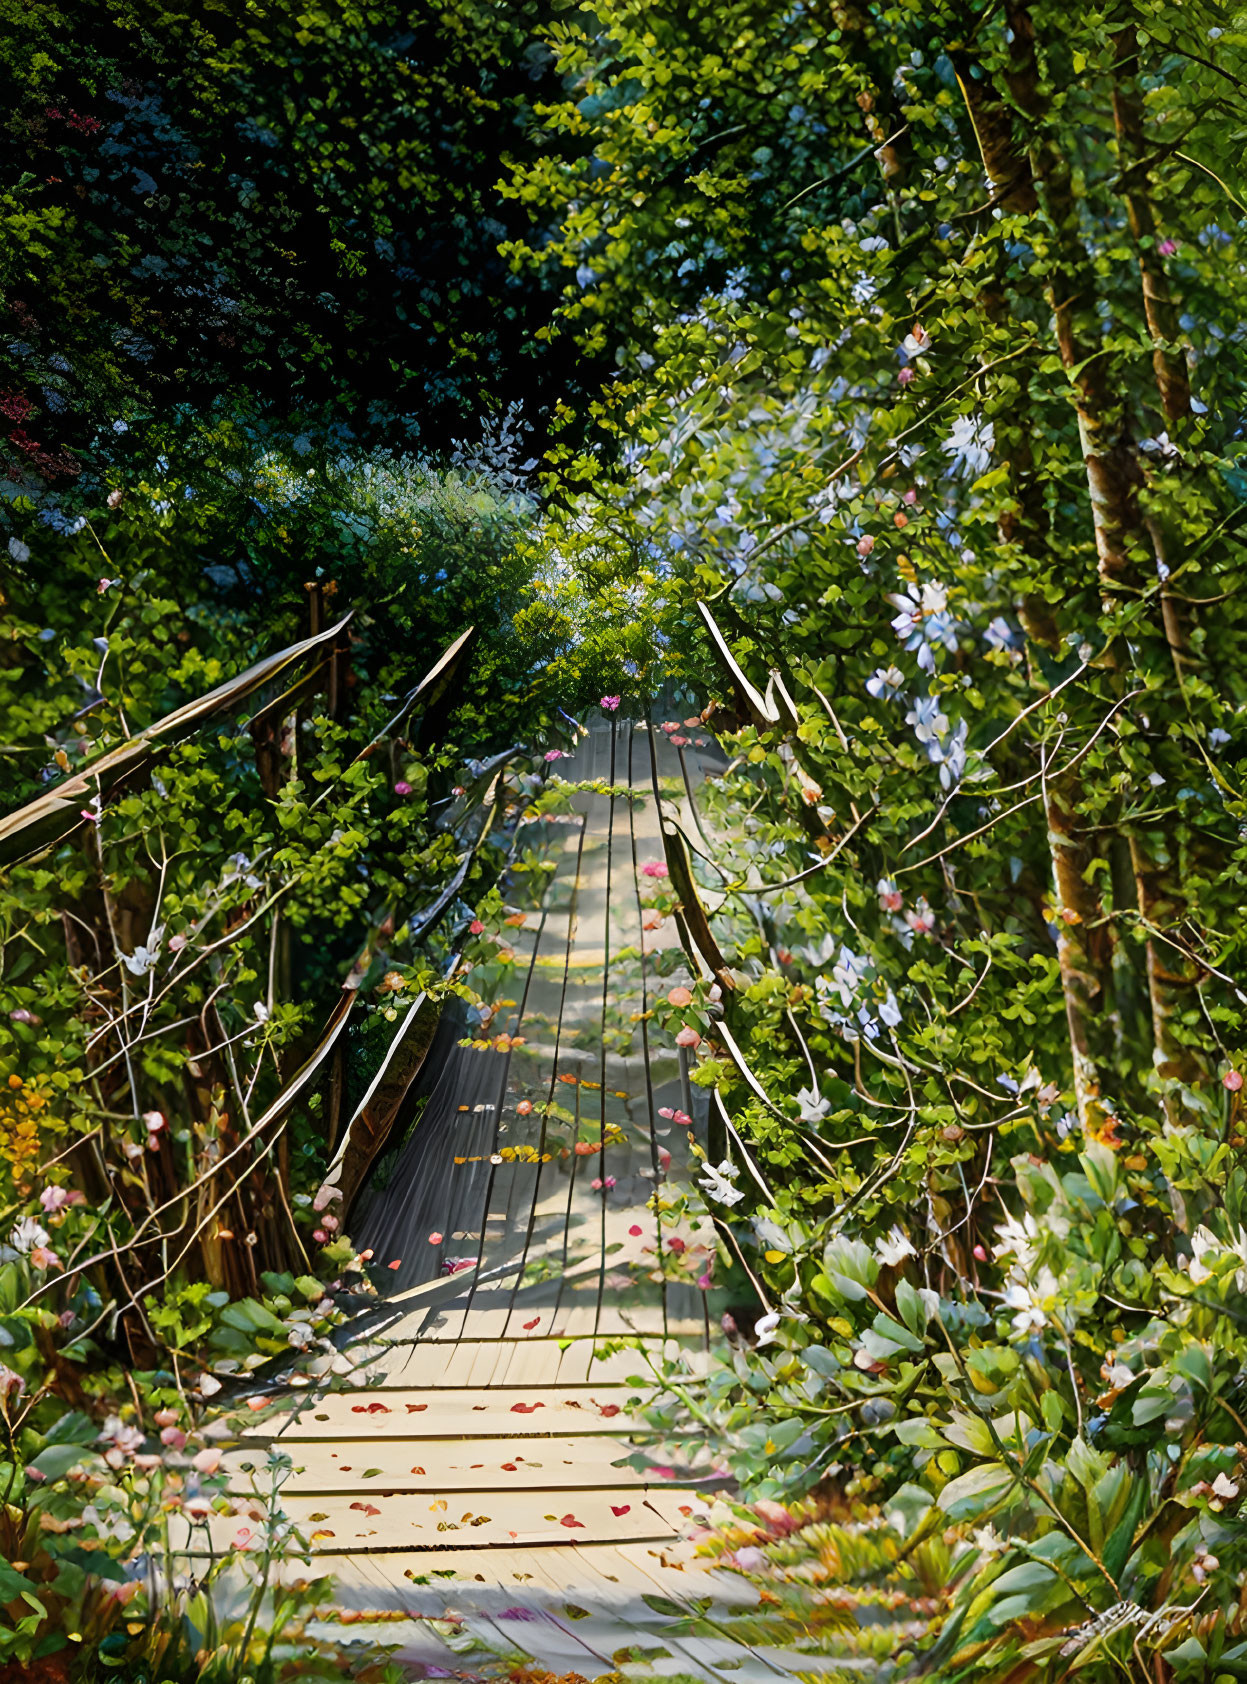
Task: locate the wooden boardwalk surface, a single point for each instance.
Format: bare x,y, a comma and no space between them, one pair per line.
485,1471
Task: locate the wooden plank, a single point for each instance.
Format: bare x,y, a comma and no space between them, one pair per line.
445,1464
475,1520
457,1414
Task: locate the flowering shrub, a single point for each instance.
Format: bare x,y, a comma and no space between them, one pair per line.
931,480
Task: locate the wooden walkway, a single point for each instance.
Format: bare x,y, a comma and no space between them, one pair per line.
484,1471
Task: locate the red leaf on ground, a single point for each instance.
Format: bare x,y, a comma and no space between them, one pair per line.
509,1467
529,1325
525,1408
570,1520
624,1508
609,1409
416,1408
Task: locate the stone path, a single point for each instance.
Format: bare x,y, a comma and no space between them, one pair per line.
486,1477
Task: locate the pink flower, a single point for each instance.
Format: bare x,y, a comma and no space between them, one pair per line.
704,1282
610,1181
981,1253
865,545
166,1417
664,1159
555,754
207,1461
128,1591
905,375
476,928
153,1121
174,1437
42,1258
688,1038
402,787
245,1538
1232,1080
435,1238
679,742
329,1223
654,868
910,497
106,585
596,1184
115,497
1166,248
922,920
54,1199
90,815
611,703
636,1230
320,1236
679,996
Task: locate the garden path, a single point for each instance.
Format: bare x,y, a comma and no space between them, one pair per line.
471,1482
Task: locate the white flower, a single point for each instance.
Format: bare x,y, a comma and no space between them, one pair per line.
813,1107
261,1011
950,756
988,1540
1203,1243
19,551
847,973
764,1328
129,1440
1031,1301
142,960
1223,1486
1019,1237
1000,634
1018,1297
918,342
28,1234
894,1247
884,683
717,1183
927,720
969,447
890,1011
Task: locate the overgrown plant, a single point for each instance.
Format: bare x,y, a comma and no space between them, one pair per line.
929,410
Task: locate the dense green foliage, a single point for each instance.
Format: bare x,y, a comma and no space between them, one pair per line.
248,206
959,458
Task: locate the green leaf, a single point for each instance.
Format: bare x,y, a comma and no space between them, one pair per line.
970,1493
